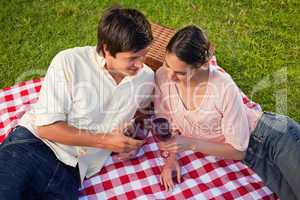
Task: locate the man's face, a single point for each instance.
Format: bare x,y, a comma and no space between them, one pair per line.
126,63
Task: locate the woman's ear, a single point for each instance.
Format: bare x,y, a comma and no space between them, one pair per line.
211,49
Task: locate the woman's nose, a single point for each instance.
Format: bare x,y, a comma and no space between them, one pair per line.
172,76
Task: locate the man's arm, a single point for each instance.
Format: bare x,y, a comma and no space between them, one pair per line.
63,133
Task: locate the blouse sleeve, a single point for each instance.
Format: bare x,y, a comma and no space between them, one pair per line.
235,125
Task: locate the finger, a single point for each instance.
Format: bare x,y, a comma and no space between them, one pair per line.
167,144
123,156
171,149
119,156
160,180
167,180
165,185
132,153
135,143
163,146
178,174
129,154
171,184
177,132
122,159
171,144
129,148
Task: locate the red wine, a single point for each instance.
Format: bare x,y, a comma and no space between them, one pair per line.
161,129
137,129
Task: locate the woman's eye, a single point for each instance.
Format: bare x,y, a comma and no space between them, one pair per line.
181,73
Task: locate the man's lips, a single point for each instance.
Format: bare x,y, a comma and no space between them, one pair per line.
134,69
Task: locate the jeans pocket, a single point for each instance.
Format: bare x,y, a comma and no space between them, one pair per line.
20,135
254,151
15,142
294,130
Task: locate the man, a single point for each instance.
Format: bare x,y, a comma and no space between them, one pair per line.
87,95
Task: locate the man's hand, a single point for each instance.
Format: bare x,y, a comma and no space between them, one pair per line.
127,156
166,178
117,142
63,133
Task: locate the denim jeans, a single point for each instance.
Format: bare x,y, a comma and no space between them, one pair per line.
30,170
274,154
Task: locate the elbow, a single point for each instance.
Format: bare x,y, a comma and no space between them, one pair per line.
45,131
48,131
239,155
41,131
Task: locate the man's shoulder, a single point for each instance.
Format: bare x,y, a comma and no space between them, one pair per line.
76,51
72,59
147,72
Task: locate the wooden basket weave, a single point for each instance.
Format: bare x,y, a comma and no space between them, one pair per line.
156,54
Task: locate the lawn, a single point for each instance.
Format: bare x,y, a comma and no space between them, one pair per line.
257,41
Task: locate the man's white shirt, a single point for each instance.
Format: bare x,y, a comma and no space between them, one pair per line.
79,90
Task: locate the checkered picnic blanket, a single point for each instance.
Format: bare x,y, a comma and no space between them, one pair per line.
203,177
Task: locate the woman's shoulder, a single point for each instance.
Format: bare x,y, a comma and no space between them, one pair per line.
220,78
222,86
161,75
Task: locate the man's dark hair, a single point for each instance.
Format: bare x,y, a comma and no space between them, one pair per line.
190,45
123,29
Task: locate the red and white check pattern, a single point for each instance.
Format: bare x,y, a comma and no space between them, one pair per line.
14,102
203,177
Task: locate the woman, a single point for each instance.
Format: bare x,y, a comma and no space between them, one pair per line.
206,106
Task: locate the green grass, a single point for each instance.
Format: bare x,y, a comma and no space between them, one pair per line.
257,41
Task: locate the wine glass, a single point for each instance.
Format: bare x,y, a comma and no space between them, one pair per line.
162,132
137,129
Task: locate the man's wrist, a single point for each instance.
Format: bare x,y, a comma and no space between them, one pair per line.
102,140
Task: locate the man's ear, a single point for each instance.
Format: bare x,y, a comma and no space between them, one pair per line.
105,51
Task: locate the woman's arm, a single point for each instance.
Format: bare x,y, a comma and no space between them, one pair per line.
225,151
182,143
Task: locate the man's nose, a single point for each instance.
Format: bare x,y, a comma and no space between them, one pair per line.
139,62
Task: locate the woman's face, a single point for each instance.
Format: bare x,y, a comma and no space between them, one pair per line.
178,70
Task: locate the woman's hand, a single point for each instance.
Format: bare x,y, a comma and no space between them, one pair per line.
170,146
177,144
166,178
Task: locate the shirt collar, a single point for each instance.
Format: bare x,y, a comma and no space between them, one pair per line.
101,63
100,59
